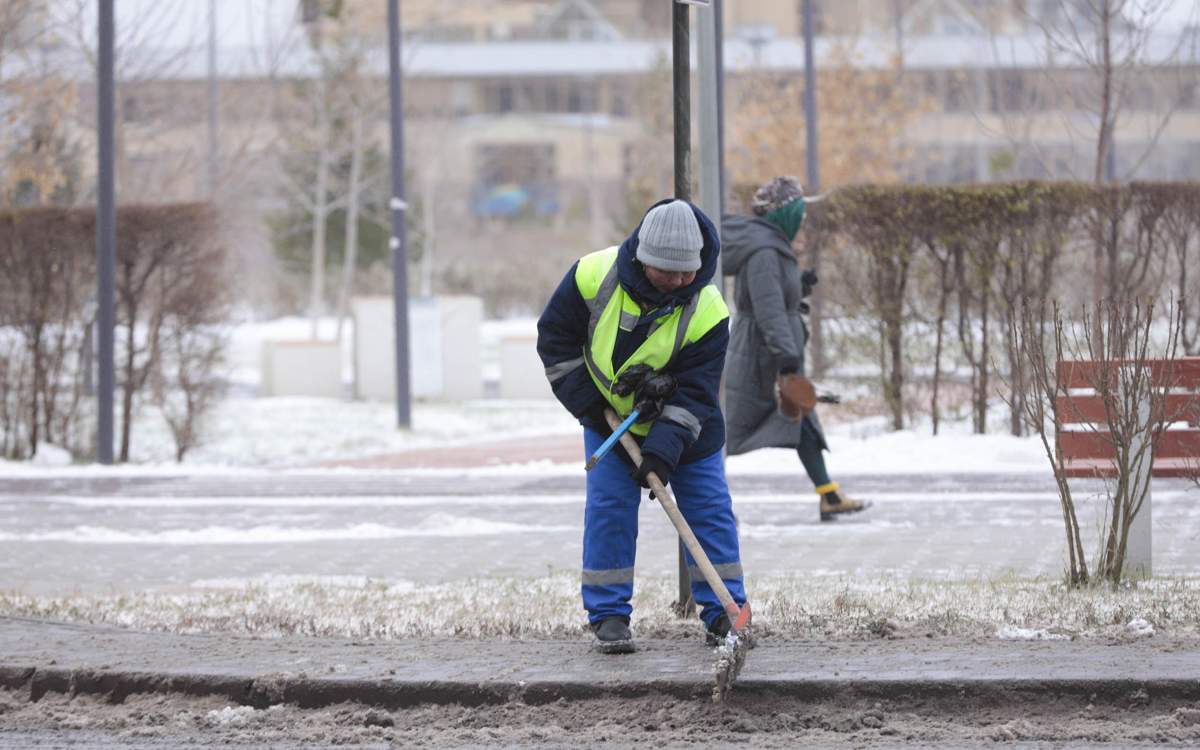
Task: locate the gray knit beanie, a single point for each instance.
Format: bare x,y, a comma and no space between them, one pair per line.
775,194
670,238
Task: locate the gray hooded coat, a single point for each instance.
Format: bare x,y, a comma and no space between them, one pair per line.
768,331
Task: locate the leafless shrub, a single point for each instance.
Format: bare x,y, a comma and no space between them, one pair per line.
185,386
1123,363
171,296
43,314
191,340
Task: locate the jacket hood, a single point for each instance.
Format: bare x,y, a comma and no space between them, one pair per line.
629,268
744,236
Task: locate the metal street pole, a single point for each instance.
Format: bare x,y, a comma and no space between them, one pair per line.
719,47
399,208
681,84
810,102
681,80
106,238
813,178
709,156
213,143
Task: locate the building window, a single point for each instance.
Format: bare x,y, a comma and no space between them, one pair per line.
513,180
1010,92
498,98
618,102
581,96
462,99
553,95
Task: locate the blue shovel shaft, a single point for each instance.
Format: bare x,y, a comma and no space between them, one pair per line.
607,445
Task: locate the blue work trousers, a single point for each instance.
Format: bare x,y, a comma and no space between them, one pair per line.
610,528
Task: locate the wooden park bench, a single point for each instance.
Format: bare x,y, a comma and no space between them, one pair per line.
1090,453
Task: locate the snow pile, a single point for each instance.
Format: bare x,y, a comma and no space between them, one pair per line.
1138,626
49,454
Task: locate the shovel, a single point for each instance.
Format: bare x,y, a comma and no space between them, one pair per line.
607,445
732,652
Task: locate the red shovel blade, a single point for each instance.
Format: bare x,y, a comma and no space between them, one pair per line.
739,618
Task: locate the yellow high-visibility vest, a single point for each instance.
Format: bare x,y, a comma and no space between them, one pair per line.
613,310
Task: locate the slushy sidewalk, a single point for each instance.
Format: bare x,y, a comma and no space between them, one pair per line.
44,656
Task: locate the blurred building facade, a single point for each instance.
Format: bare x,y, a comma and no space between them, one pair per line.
558,92
555,114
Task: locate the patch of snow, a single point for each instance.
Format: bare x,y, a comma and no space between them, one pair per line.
49,454
1010,633
1139,627
859,448
230,716
277,582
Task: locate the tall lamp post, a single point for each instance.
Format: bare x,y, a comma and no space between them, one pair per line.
106,239
813,179
681,80
399,209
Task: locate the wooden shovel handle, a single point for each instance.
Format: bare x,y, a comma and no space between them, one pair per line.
667,500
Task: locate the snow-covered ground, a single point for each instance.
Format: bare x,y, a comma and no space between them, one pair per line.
246,432
301,432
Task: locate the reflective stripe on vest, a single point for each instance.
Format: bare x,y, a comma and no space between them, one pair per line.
611,309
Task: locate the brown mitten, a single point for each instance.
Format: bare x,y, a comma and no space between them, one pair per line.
795,396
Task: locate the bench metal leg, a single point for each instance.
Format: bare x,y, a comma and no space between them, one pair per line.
1139,552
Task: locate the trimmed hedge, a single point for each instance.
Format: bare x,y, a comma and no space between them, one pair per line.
960,258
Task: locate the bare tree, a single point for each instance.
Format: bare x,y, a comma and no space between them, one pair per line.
39,155
1181,228
1043,342
328,158
1123,365
1106,57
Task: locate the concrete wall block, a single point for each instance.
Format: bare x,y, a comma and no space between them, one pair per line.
443,342
302,368
521,371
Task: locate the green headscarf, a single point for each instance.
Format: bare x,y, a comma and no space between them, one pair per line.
788,217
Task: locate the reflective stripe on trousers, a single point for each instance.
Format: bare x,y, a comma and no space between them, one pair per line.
610,528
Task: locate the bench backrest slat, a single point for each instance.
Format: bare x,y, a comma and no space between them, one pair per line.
1086,409
1089,444
1182,373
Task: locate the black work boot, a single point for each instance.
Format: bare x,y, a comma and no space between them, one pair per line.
715,634
613,636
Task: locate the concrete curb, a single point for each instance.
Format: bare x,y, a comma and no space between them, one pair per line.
307,692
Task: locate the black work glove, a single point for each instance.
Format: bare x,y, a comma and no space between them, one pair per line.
651,463
629,381
808,279
652,394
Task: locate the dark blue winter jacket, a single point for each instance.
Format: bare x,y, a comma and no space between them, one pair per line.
563,332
